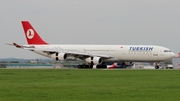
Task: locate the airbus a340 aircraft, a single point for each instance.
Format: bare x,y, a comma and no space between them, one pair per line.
94,55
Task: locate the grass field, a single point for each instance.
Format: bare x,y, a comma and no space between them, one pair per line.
89,85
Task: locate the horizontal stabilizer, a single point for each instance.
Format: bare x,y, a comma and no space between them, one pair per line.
19,46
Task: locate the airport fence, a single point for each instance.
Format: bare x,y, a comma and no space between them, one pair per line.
25,65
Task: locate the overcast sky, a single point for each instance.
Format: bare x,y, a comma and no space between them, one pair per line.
152,22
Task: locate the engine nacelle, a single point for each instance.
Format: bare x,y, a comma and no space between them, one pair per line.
94,60
59,56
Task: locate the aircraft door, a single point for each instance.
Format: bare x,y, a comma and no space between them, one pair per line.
155,52
123,53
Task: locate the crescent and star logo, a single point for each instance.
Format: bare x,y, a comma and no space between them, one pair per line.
30,33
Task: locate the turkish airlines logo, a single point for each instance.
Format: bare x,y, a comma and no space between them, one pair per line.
30,33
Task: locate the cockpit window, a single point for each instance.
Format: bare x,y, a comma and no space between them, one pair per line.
167,51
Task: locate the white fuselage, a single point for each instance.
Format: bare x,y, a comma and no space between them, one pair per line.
126,53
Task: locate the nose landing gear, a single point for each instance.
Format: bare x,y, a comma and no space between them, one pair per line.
157,65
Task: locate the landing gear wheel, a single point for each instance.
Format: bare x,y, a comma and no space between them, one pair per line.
90,66
156,67
85,66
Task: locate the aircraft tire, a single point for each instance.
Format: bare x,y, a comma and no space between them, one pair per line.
85,66
156,67
101,66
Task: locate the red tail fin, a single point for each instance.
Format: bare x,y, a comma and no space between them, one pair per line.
32,36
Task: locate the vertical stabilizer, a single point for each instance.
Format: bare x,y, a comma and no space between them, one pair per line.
32,36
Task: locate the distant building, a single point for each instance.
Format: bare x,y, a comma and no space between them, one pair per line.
33,61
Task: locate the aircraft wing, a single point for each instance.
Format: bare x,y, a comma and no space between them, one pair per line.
59,50
74,53
88,54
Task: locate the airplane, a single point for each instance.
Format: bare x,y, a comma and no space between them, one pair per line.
116,65
94,55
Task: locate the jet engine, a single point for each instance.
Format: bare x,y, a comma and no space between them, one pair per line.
59,56
94,60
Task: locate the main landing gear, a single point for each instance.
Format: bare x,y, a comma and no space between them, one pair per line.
92,66
85,66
